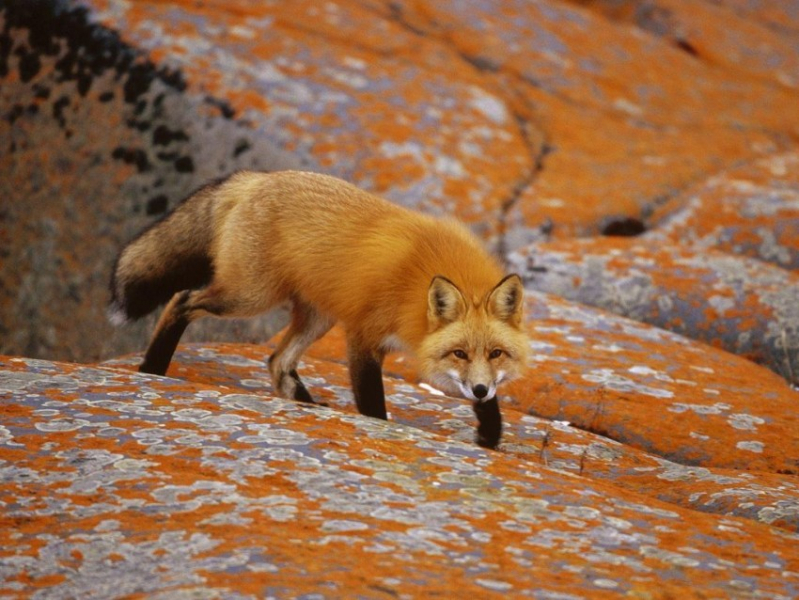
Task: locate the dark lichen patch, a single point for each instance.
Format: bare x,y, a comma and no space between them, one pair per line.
138,83
157,205
224,107
14,114
29,64
163,135
133,156
139,124
184,164
83,52
58,110
242,146
41,91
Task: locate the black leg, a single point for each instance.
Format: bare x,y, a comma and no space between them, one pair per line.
162,347
301,393
167,334
489,423
366,373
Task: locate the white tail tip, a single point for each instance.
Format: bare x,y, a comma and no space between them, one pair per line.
116,315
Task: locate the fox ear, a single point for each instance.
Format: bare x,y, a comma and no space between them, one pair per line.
445,302
506,300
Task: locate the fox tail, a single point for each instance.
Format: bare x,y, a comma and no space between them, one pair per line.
172,255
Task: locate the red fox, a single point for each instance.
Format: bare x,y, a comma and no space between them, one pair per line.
396,279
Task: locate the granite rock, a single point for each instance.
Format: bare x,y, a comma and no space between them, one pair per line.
751,210
98,141
119,484
741,304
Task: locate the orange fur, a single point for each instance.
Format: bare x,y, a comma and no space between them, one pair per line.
354,256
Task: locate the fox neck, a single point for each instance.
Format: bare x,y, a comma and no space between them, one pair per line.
410,328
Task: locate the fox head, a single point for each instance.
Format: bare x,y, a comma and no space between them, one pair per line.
473,345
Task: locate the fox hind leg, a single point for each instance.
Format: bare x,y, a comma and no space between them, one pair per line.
182,309
307,326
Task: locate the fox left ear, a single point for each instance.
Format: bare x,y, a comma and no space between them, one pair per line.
506,299
445,302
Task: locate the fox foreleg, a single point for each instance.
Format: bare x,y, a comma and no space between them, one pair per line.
366,373
489,423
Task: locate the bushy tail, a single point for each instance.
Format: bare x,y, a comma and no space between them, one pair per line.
171,256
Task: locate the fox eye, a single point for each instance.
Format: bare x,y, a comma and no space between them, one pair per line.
460,354
495,353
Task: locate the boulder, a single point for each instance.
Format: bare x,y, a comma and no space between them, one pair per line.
751,210
737,303
98,142
604,398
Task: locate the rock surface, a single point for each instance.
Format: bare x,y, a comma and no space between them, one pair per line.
650,453
176,487
751,210
742,305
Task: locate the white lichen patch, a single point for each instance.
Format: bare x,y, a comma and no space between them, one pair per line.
699,409
607,584
745,422
491,107
751,446
494,585
783,511
721,304
340,525
650,372
612,348
609,379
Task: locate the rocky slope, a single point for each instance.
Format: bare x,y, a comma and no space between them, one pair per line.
627,157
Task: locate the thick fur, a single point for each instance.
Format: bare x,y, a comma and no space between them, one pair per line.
171,256
394,278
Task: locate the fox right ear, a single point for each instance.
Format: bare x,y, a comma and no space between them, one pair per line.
445,302
505,300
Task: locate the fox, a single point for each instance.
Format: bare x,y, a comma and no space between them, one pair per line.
395,278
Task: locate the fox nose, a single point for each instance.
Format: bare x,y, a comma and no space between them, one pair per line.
480,391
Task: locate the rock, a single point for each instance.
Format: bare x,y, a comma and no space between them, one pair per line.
352,90
100,142
751,40
628,120
751,210
608,398
739,304
149,485
634,460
